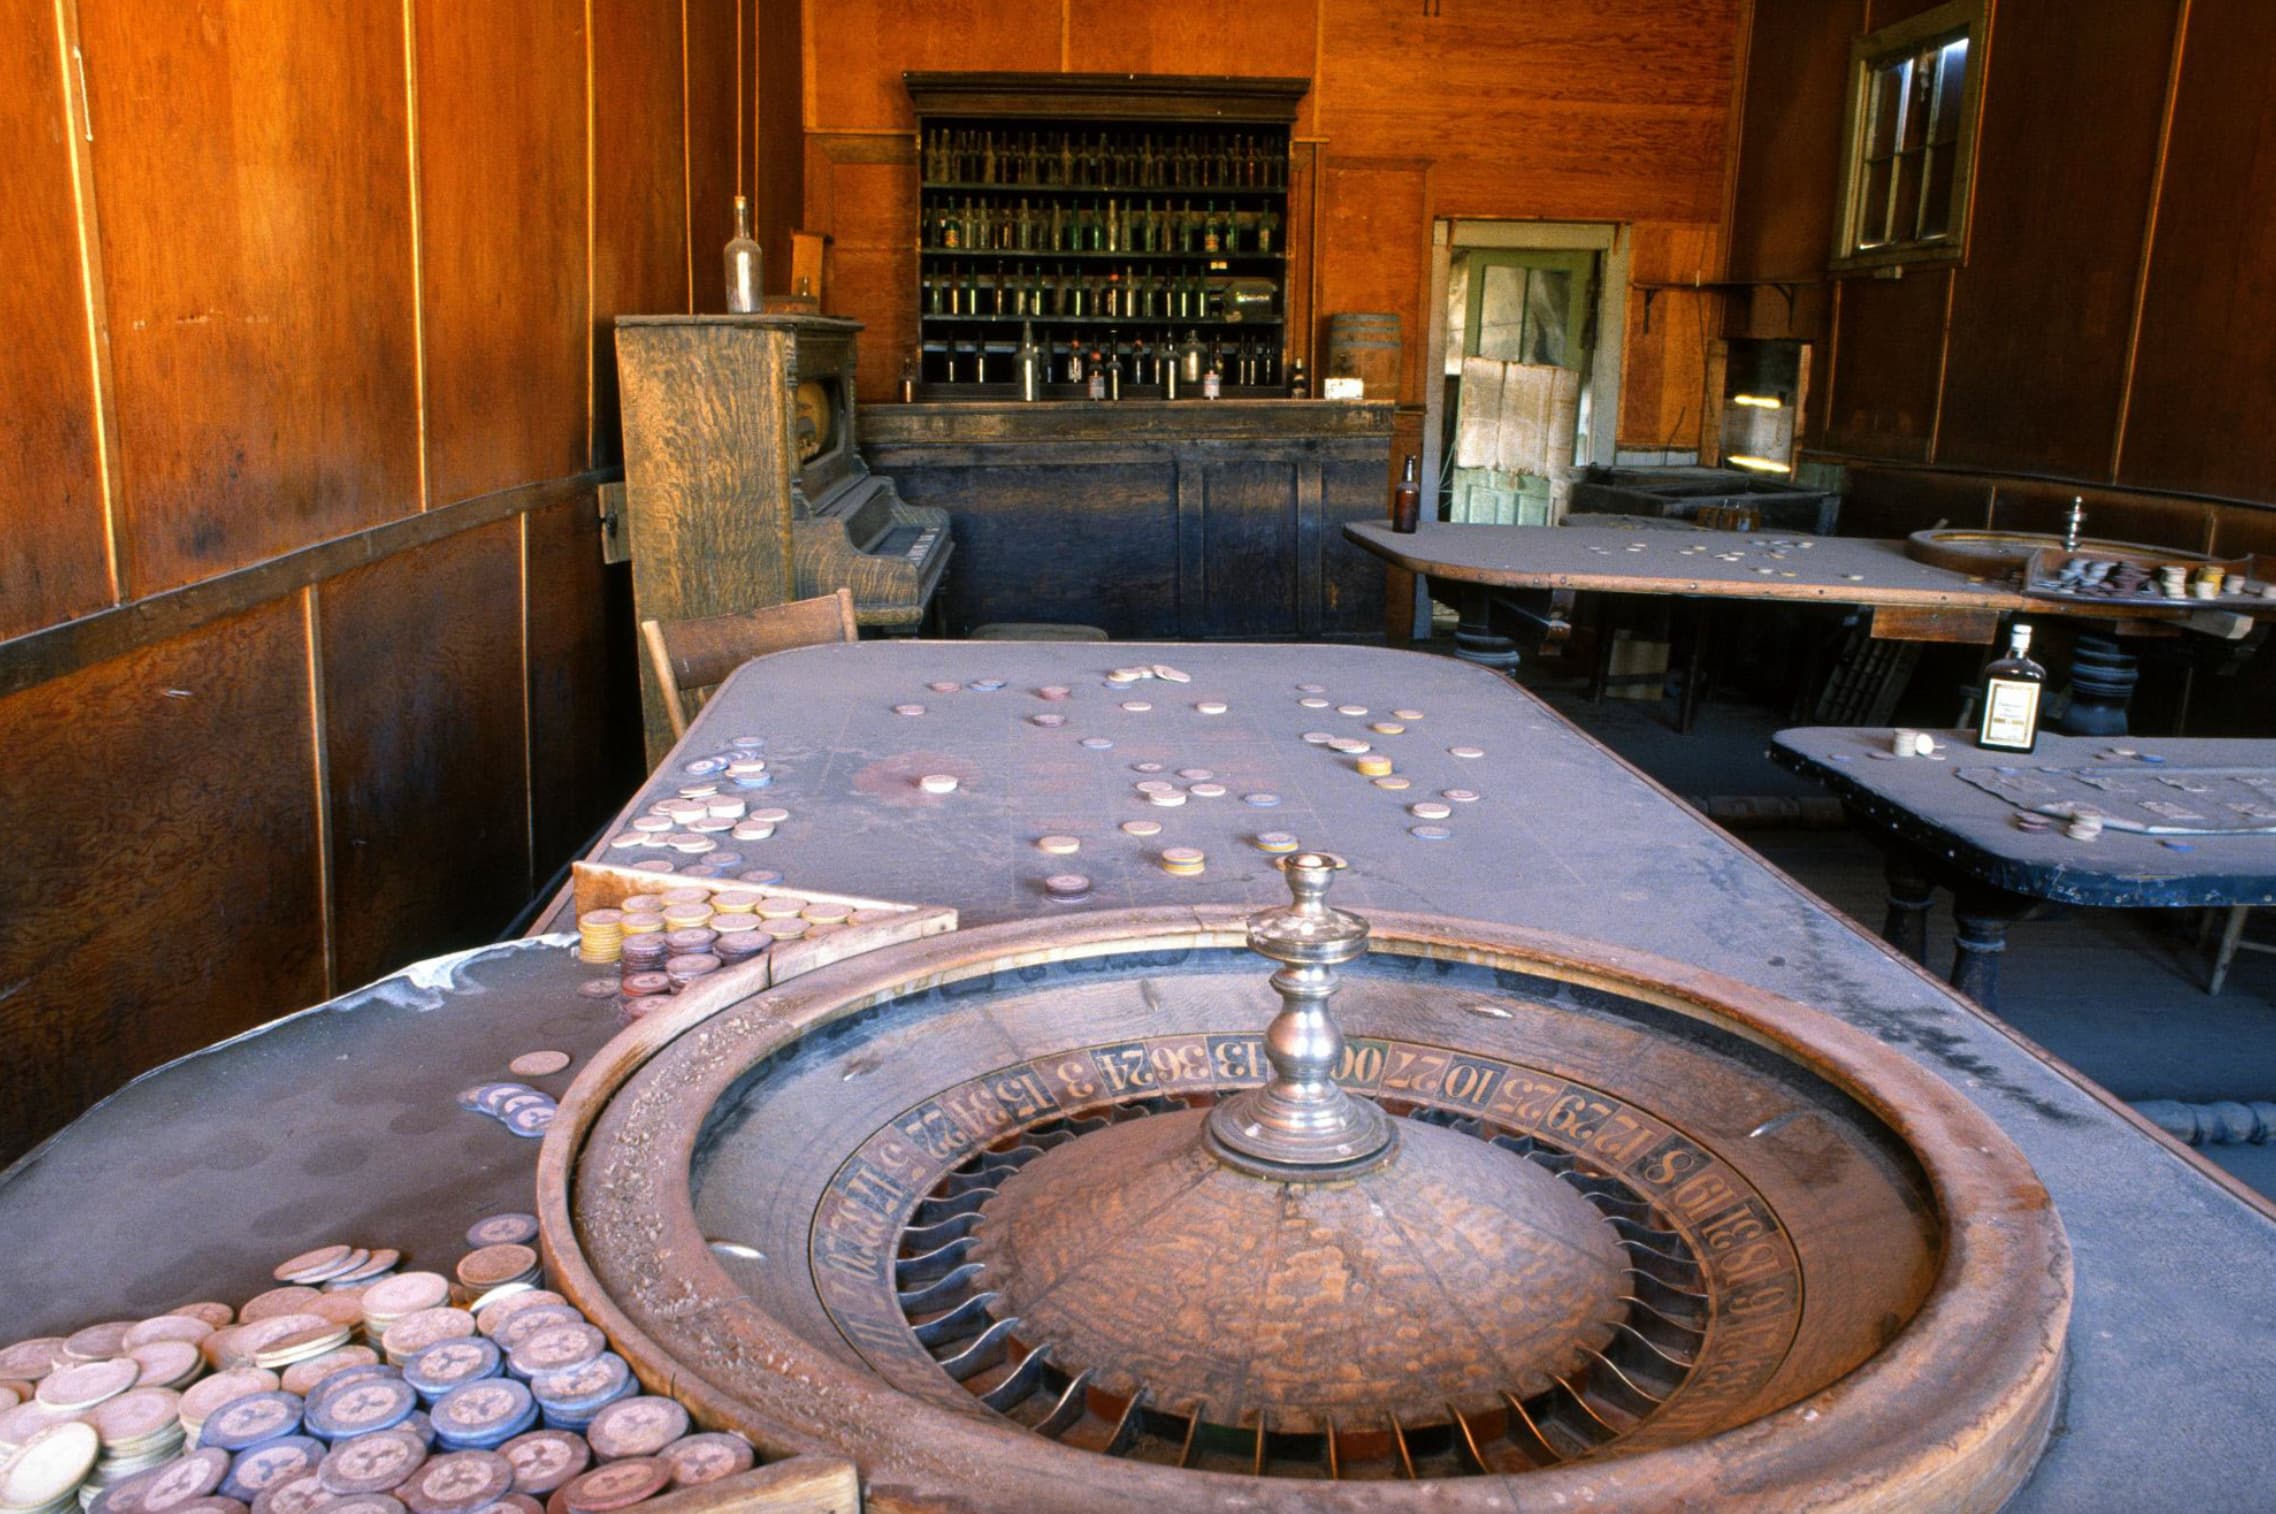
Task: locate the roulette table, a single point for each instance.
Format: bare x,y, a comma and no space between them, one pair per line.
1706,1192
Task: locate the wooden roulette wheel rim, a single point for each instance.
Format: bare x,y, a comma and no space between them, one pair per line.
1950,1413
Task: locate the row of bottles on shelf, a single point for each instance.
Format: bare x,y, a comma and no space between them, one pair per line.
1122,294
1191,368
1113,226
1150,159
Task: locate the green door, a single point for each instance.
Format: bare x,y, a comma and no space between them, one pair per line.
1513,306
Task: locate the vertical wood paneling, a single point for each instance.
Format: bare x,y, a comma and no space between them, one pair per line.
1375,234
1192,504
1303,253
502,227
1790,150
1352,582
2203,385
1310,534
251,185
1248,537
859,49
2043,305
584,704
718,86
1557,109
423,725
1267,38
862,193
1399,586
2034,378
640,220
1664,364
161,888
775,117
54,554
252,181
1883,396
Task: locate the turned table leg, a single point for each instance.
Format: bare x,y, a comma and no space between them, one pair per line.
1475,639
1910,892
1980,919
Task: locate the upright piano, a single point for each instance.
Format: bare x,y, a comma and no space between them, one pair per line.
742,484
849,526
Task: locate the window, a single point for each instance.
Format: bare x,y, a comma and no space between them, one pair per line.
1911,139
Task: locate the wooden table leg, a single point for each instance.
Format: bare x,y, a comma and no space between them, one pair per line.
1910,892
1980,918
1694,664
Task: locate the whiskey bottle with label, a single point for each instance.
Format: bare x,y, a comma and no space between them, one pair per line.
2012,686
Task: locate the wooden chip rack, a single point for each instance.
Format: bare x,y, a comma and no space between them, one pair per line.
601,885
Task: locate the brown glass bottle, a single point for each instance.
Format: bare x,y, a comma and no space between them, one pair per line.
1406,499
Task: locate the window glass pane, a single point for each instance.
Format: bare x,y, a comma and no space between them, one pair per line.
1873,206
1888,107
1548,294
1907,178
1936,209
1904,225
1920,98
1952,79
1501,314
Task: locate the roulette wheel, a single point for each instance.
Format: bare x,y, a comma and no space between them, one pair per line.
1091,1213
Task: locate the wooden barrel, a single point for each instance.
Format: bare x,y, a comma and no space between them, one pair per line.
1365,345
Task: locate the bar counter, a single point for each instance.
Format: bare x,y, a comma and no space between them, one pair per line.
1191,518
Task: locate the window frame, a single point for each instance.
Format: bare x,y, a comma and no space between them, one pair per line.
1969,19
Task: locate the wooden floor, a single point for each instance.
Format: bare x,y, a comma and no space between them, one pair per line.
2117,994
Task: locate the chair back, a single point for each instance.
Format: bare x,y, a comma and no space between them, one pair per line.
690,657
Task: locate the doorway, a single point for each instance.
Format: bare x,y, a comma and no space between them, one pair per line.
1512,314
1548,292
1554,293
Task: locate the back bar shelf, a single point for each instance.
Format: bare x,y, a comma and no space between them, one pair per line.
1125,223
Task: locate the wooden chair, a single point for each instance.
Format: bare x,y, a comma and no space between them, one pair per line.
691,656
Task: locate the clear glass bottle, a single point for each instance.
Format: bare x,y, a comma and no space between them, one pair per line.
1030,364
743,263
2009,721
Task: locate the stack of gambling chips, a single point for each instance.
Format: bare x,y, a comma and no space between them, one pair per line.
600,935
494,1396
669,940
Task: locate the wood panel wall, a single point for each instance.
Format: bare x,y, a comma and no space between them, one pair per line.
1586,110
2107,327
312,666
